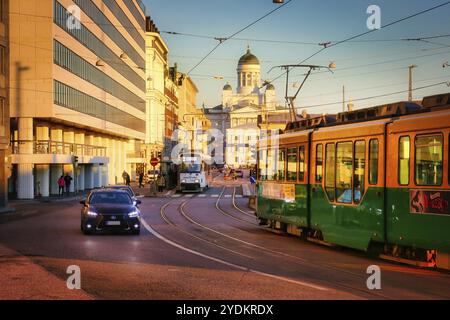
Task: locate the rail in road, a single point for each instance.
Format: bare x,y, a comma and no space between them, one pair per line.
230,236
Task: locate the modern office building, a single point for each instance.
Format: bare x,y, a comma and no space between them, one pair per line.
4,102
77,92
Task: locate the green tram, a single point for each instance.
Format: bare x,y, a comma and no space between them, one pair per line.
375,180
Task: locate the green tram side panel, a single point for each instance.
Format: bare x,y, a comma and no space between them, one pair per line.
295,213
349,226
424,231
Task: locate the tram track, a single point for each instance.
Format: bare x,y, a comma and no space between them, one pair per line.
230,261
227,214
239,209
299,261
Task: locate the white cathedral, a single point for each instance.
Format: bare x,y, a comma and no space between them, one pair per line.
242,110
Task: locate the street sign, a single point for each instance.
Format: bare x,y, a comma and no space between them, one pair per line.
154,162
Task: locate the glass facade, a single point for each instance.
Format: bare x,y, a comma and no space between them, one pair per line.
88,39
108,28
126,23
135,11
69,60
68,97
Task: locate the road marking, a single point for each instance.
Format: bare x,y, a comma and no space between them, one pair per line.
228,196
176,196
239,267
239,196
202,195
189,196
215,196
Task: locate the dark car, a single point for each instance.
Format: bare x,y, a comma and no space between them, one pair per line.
239,174
110,210
128,189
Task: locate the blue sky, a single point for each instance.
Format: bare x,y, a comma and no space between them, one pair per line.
365,68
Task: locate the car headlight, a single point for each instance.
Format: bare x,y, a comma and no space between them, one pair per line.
92,214
133,214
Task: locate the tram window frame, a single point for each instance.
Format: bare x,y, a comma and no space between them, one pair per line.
292,152
341,173
442,160
319,178
399,161
271,152
373,164
283,162
362,190
301,163
328,189
262,169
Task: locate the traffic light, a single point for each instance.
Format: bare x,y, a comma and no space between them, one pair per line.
160,155
75,159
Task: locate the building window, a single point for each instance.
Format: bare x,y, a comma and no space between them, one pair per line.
292,164
429,162
319,163
404,160
359,171
330,171
2,117
373,161
3,60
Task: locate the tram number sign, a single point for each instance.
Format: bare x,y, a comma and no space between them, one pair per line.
154,162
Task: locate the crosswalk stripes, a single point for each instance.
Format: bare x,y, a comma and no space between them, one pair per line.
239,196
202,195
227,196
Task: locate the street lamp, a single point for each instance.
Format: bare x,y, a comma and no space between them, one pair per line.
445,65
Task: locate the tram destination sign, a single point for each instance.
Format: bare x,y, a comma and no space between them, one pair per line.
429,202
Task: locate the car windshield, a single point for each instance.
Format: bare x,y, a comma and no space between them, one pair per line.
128,190
110,198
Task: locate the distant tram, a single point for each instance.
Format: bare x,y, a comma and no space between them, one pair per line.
375,180
192,175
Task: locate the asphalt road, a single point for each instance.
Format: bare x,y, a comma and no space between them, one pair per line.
206,247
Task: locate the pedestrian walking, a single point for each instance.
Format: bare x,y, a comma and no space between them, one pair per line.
128,180
61,184
141,180
67,181
124,177
161,183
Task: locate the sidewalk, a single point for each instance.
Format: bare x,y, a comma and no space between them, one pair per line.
21,279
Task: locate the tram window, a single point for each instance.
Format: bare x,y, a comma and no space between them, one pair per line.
330,171
404,160
301,164
319,163
359,171
292,164
344,172
271,164
373,161
262,165
428,166
281,166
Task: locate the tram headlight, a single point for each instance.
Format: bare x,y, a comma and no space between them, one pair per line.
183,181
197,181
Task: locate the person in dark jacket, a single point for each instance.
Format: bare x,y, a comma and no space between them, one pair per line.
68,181
141,180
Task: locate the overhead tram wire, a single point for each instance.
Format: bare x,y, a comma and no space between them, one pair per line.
223,40
333,44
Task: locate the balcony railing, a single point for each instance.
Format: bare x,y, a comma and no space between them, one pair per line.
55,147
